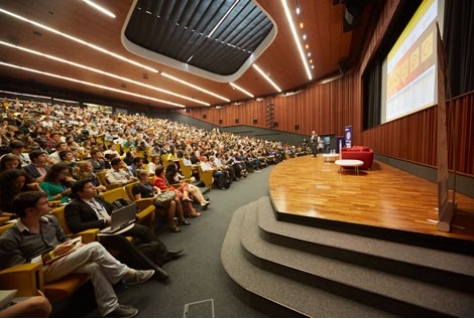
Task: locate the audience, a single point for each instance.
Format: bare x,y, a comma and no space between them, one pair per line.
36,136
182,197
37,233
145,189
38,167
88,210
119,173
57,183
84,170
189,190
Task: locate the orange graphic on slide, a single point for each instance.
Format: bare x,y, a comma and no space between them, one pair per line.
427,47
414,59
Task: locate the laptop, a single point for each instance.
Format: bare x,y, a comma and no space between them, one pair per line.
121,218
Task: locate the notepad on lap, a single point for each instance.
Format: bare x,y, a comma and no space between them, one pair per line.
6,296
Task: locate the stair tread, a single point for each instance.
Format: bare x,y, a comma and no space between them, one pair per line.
421,256
305,299
424,295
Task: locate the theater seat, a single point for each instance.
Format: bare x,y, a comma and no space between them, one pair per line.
146,209
28,279
103,181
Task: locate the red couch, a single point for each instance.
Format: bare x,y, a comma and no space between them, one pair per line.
363,153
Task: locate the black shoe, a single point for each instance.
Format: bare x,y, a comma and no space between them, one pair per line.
171,254
161,274
123,311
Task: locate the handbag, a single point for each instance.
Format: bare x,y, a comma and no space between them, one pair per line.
165,198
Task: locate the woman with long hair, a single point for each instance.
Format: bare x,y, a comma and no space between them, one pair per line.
145,189
162,183
173,176
57,183
85,170
12,183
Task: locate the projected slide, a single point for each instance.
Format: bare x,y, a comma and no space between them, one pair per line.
411,65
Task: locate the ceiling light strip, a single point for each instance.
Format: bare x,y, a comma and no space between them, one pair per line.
95,47
266,77
297,39
166,75
90,84
85,67
223,18
101,9
241,90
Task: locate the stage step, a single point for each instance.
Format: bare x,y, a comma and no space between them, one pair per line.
276,295
396,278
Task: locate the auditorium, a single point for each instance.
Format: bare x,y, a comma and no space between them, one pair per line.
345,129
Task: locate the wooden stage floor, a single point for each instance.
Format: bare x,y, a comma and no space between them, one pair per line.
384,197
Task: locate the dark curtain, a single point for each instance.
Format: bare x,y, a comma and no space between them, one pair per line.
372,95
459,42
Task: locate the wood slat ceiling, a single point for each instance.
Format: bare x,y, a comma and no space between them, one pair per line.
323,24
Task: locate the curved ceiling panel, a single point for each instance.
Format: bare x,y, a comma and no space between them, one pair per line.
214,39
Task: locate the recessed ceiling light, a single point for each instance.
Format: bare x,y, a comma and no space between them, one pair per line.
296,38
298,11
105,88
101,9
77,40
266,77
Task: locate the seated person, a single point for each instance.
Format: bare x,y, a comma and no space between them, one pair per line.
88,211
12,183
144,189
162,183
57,183
220,176
83,170
38,234
119,173
33,307
97,160
174,177
17,147
9,161
38,167
136,165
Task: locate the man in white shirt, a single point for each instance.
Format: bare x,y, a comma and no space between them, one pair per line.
119,173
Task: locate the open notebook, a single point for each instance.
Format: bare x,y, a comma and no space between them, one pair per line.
6,296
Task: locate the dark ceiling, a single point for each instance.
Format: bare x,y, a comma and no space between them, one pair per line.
109,79
180,30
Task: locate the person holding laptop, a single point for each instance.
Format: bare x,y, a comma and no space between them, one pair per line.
89,210
38,236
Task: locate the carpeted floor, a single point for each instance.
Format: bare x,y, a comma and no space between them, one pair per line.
198,282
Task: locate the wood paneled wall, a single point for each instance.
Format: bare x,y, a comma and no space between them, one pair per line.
329,108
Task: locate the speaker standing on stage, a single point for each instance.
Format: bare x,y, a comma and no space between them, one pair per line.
314,143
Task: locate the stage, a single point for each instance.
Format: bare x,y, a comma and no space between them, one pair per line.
310,190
